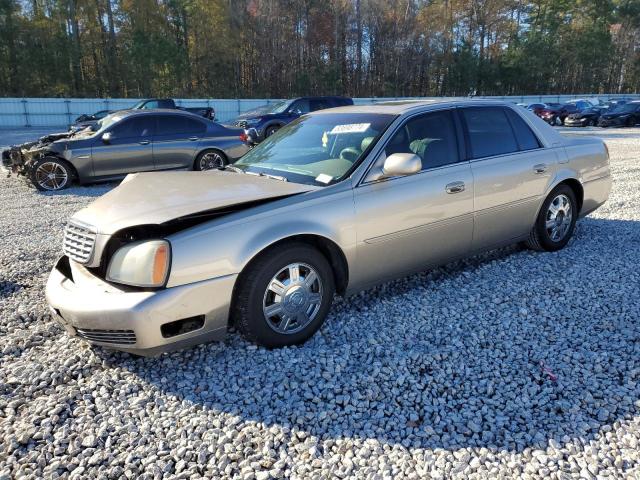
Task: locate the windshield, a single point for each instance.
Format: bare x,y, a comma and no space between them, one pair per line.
138,105
107,121
278,107
317,150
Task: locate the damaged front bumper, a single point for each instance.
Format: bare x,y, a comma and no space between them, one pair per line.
19,158
138,321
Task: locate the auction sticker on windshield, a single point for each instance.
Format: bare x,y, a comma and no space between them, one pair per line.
351,128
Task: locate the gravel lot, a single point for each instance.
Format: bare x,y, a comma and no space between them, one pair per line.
447,374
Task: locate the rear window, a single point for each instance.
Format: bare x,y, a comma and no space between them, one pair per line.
525,137
489,131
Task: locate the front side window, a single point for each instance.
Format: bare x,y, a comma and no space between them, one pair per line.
319,104
489,132
300,107
317,150
133,127
432,137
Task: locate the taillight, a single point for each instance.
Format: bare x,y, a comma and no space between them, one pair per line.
243,137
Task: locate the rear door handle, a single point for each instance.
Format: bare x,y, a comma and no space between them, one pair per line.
540,168
454,187
144,142
193,139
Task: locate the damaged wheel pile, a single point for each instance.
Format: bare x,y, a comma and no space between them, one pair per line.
511,364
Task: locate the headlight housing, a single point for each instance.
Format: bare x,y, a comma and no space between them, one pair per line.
141,264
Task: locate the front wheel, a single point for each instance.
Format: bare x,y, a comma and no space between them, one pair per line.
284,296
51,174
210,160
271,130
556,221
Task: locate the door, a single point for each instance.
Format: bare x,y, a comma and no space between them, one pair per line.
408,223
511,173
129,147
176,139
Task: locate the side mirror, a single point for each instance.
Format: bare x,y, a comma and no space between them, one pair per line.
401,164
296,111
106,138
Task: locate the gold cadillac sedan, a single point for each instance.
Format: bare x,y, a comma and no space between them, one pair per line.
337,201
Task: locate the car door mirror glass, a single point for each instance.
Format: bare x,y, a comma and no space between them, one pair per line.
106,138
401,164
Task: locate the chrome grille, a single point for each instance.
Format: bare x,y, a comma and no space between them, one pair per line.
122,337
78,242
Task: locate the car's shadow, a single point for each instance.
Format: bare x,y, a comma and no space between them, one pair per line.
550,355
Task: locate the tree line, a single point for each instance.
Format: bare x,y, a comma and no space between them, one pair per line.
283,48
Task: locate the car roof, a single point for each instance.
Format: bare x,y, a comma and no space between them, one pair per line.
150,111
404,106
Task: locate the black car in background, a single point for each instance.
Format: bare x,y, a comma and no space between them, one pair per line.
584,118
266,120
626,115
89,120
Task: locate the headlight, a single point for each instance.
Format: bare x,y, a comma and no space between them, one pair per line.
141,264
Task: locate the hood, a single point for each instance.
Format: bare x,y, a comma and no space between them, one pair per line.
156,198
256,112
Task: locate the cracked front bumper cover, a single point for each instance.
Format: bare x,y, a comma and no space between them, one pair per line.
132,320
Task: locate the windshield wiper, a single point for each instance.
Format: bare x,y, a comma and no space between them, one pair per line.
275,177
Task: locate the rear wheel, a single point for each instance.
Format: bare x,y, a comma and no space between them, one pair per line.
210,160
51,174
284,296
556,221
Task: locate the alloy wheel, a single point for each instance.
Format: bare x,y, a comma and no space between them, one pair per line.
211,160
51,176
293,298
559,216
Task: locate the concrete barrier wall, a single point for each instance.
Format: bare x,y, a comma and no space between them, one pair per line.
58,112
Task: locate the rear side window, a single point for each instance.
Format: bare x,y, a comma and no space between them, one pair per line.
525,137
489,131
431,136
179,124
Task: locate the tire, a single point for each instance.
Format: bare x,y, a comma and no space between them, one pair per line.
630,122
544,236
591,123
293,317
210,160
50,174
271,130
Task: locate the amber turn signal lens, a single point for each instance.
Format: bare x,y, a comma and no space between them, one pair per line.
160,264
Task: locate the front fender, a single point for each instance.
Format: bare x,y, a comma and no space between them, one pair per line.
226,246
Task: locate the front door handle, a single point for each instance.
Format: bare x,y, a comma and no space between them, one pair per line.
540,168
193,139
454,187
144,142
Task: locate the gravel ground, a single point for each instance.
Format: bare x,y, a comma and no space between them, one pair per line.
510,364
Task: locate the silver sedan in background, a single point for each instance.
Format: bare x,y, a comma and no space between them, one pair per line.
337,201
124,142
